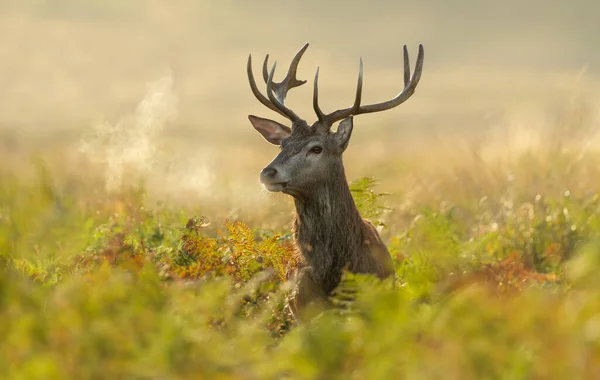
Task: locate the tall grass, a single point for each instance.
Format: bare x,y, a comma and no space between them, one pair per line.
115,263
497,262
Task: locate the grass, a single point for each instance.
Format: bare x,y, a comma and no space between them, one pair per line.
153,253
142,257
497,263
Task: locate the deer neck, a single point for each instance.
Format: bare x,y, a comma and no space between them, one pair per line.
327,224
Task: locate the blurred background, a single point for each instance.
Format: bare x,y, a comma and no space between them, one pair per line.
123,123
159,90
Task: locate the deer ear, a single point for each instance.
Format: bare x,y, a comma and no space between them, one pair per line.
343,133
271,130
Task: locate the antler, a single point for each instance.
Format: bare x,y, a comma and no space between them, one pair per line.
277,92
410,83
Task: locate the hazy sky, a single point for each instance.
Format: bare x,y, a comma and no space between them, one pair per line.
71,62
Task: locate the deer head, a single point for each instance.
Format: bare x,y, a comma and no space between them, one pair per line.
310,154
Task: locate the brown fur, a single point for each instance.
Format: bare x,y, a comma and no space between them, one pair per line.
330,235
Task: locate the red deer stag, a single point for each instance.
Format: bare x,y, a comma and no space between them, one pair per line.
329,232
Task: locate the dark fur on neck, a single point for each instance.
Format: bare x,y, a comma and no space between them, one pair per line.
332,236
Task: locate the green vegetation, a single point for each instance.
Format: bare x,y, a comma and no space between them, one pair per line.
182,275
108,286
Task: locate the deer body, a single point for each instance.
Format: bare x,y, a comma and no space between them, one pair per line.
331,236
329,232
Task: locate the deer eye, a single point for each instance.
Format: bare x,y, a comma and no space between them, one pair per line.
316,150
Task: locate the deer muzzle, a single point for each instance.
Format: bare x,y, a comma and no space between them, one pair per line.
273,179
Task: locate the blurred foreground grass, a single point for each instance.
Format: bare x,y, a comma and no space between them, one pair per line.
498,263
154,255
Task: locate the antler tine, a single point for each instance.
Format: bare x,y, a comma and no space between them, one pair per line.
286,111
277,92
265,69
290,81
327,120
316,107
406,67
409,87
261,98
410,83
359,85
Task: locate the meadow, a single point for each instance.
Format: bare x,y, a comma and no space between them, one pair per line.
104,275
136,241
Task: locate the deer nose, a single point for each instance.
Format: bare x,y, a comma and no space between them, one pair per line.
268,172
